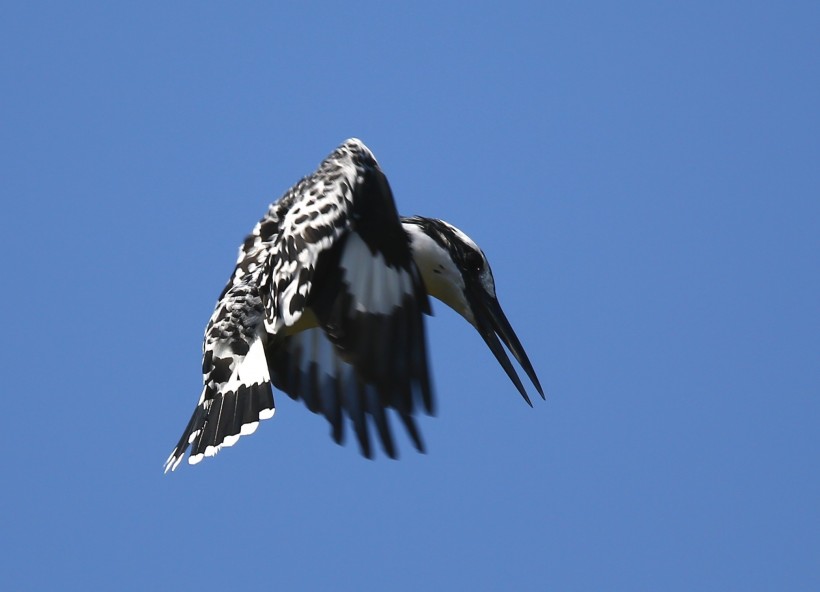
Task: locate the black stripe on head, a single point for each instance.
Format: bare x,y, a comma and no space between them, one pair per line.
470,262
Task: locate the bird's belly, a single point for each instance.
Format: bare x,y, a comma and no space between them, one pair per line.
307,320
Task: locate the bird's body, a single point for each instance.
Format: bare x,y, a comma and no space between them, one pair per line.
326,304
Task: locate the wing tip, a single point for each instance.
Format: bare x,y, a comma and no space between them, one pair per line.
172,462
202,450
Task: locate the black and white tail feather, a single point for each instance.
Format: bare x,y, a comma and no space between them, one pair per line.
326,303
237,393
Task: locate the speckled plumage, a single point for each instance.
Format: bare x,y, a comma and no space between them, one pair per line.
326,304
337,228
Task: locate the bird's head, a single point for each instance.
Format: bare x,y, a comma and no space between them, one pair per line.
456,271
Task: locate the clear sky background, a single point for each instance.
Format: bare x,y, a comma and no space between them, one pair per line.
645,180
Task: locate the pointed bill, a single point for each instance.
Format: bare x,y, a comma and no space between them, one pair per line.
492,323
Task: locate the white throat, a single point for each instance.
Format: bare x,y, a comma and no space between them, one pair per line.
442,279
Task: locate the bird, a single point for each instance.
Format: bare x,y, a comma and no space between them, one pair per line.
326,303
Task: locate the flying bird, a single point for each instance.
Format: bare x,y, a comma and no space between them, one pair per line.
327,303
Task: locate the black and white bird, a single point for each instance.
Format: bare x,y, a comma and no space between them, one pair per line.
326,304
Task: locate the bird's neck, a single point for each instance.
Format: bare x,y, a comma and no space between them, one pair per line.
442,279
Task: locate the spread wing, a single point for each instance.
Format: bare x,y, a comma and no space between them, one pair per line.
342,255
326,302
308,367
237,393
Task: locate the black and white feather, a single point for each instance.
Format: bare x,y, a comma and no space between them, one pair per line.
237,392
326,304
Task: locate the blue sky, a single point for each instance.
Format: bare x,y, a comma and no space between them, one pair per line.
644,179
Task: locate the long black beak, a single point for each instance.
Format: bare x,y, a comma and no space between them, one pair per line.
492,323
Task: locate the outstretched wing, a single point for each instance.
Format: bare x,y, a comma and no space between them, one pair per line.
237,392
327,269
341,254
308,367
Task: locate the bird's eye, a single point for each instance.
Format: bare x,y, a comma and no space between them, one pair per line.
474,261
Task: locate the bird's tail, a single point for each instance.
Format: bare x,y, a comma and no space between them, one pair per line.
220,419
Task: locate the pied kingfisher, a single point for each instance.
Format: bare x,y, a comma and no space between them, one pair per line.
326,304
